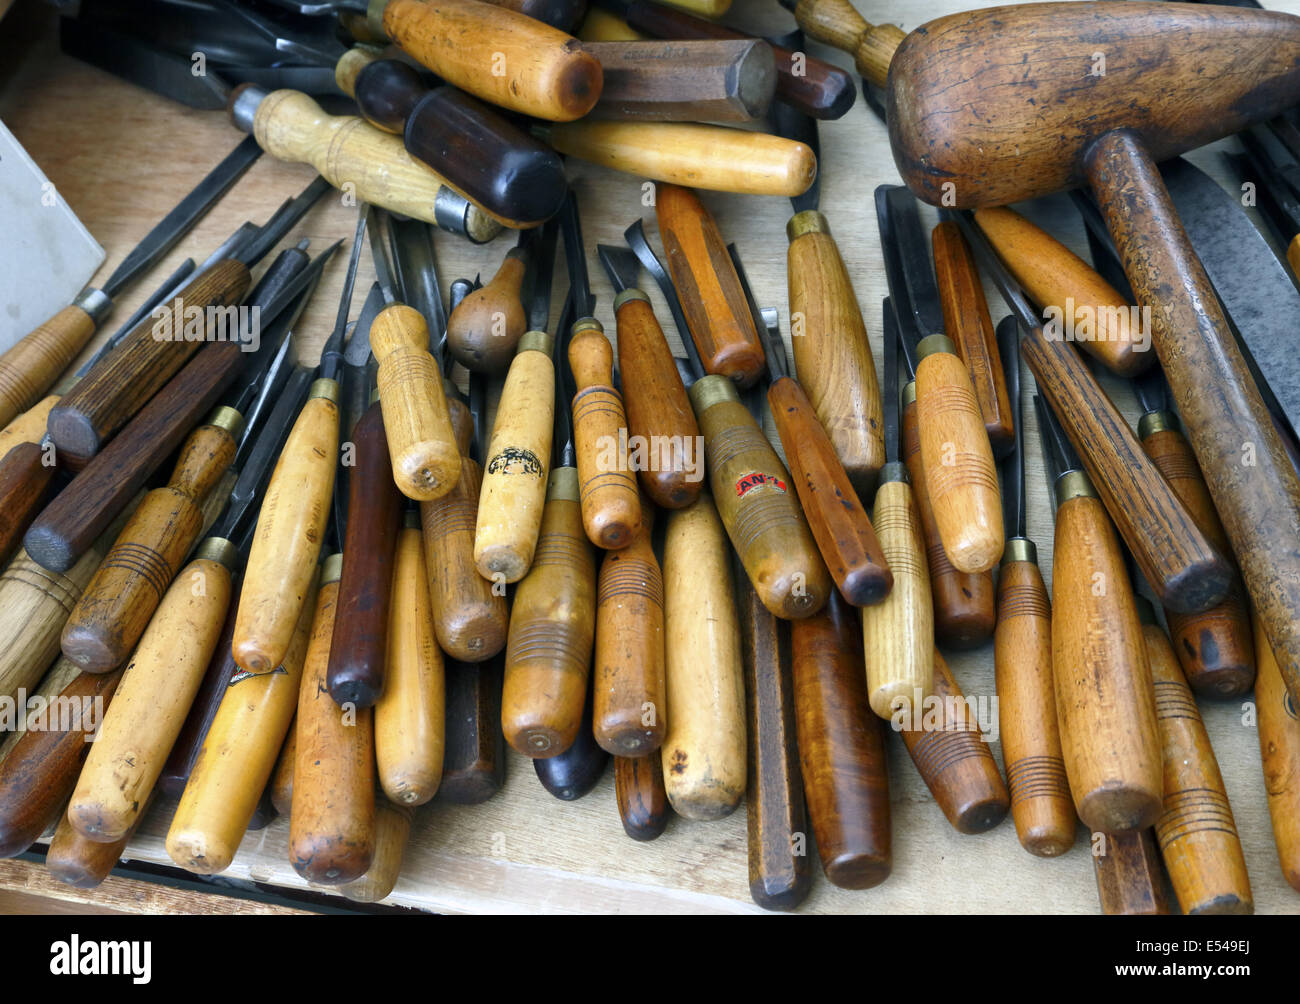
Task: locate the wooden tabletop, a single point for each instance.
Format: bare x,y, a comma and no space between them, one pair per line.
121,157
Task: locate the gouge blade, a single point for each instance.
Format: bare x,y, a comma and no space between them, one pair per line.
893,338
1012,466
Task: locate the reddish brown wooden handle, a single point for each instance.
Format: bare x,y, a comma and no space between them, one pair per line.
25,479
642,800
35,362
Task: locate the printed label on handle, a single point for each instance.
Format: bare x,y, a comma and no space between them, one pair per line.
757,479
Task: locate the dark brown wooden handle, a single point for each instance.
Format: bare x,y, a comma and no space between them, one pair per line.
81,862
642,800
835,514
26,477
359,650
562,14
841,748
1130,880
485,327
474,754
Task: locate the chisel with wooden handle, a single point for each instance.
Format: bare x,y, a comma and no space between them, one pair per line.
474,757
572,774
83,863
1279,749
28,476
281,784
639,791
392,834
484,330
561,14
1130,879
837,23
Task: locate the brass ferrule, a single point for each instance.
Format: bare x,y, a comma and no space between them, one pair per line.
587,324
563,485
218,549
808,222
629,294
710,390
332,569
895,470
535,341
931,344
1020,549
326,388
1156,421
227,418
1073,485
909,393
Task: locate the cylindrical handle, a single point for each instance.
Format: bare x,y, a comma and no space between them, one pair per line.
661,425
29,427
332,821
953,758
835,514
1130,881
287,541
410,717
83,863
33,364
898,634
237,758
281,786
1103,680
485,327
767,528
1279,749
518,460
26,477
831,352
146,359
836,23
611,506
1031,736
704,750
572,774
151,703
552,628
639,791
841,749
1196,831
533,68
392,833
474,758
385,89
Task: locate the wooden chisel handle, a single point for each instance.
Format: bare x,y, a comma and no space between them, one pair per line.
835,514
518,461
484,329
611,506
425,461
841,749
966,320
832,355
152,701
236,759
534,69
290,529
26,479
953,758
281,786
33,364
572,774
639,790
963,602
630,716
1216,647
552,629
837,23
1031,736
83,863
131,373
704,751
1100,665
392,834
332,820
474,758
561,14
658,410
29,427
118,603
410,716
1130,881
1279,748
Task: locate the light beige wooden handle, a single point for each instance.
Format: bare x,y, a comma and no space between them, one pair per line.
30,368
1279,747
287,541
29,427
151,703
392,833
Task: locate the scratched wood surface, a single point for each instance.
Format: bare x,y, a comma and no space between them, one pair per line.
121,156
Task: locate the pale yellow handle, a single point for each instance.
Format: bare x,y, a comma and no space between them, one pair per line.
29,427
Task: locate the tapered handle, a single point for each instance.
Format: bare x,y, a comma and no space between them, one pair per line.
82,863
281,786
518,461
28,427
831,351
1130,880
140,365
572,774
534,69
1031,736
1279,748
26,479
898,634
1102,675
287,541
30,368
837,23
116,607
151,703
704,752
552,629
639,790
838,521
660,421
385,89
485,327
841,749
392,834
474,759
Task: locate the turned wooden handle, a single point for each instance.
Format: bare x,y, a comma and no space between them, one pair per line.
703,752
116,607
392,834
831,352
139,366
281,786
658,410
237,757
966,320
1279,748
898,634
572,774
410,717
1130,881
421,441
535,69
841,749
1031,736
485,327
716,158
1216,647
29,427
552,628
33,364
26,478
752,491
953,759
517,464
837,23
474,758
630,714
780,868
41,769
835,514
963,602
332,819
611,507
639,790
287,541
152,701
83,863
1196,832
1103,680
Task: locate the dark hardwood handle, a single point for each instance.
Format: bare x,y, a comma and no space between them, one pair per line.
562,14
485,327
573,773
81,862
642,801
474,755
25,482
1130,880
